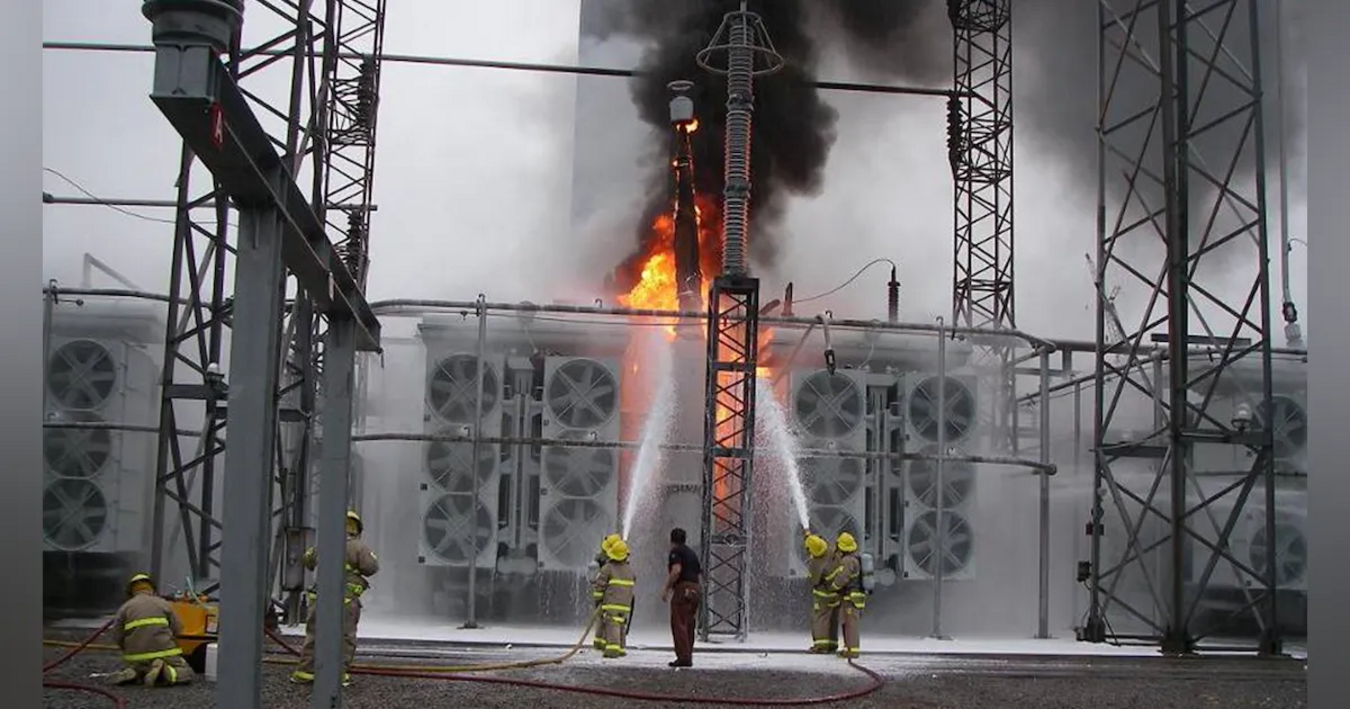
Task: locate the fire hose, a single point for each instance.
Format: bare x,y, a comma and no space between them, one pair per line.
461,673
77,648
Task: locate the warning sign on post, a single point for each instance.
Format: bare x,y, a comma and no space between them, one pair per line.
217,126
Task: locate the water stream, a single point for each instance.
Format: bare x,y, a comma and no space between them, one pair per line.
655,432
781,440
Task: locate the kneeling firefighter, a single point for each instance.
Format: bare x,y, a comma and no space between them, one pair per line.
615,584
851,580
598,595
146,630
824,601
361,564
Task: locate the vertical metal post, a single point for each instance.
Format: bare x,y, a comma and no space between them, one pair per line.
248,460
1043,611
471,604
940,537
1271,641
1175,127
1077,476
331,542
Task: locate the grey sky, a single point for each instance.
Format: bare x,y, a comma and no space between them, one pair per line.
474,175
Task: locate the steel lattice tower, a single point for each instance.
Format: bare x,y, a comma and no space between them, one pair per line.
332,56
1182,230
980,150
733,341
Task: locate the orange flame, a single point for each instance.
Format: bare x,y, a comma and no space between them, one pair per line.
657,289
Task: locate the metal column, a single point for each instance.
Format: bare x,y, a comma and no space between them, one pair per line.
248,462
339,365
1182,230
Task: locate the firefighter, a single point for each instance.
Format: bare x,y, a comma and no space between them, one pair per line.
845,580
615,584
361,564
146,630
824,602
601,559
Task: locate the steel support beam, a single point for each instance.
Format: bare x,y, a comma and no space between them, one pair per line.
248,462
1182,231
980,150
338,374
728,454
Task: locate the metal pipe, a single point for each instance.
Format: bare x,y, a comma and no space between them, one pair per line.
1038,467
517,66
393,307
471,606
940,539
1077,475
1290,311
1043,611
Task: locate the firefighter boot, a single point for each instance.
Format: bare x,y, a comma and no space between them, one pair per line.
152,675
127,675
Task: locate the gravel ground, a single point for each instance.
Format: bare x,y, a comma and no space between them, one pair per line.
912,683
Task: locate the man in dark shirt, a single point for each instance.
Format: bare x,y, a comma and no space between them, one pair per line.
683,594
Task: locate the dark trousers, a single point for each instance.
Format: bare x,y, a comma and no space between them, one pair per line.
683,610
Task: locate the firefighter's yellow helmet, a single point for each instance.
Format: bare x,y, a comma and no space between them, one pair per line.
816,546
354,521
846,543
618,550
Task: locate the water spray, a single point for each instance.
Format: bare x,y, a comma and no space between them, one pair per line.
655,431
781,440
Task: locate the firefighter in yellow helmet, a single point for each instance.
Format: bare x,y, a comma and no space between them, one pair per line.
615,584
361,564
146,630
601,559
824,601
845,580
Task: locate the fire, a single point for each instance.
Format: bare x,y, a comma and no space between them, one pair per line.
656,288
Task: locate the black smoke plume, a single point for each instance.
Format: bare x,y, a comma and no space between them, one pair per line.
793,128
1055,85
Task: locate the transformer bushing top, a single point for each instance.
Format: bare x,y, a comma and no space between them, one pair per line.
188,23
767,60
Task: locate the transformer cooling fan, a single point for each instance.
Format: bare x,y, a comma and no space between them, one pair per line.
570,528
81,375
578,472
829,523
958,480
957,543
74,513
76,452
452,393
828,405
448,464
831,481
1290,424
450,525
957,399
582,393
1291,549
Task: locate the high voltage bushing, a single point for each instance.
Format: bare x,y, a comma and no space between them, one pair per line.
195,23
749,53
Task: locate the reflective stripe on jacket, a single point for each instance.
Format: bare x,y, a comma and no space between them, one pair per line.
614,587
360,564
146,629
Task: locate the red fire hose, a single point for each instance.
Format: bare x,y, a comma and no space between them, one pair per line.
117,701
876,681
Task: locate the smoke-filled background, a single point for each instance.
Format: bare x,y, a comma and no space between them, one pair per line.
477,169
851,158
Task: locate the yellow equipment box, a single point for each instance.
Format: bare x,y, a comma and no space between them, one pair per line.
200,618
